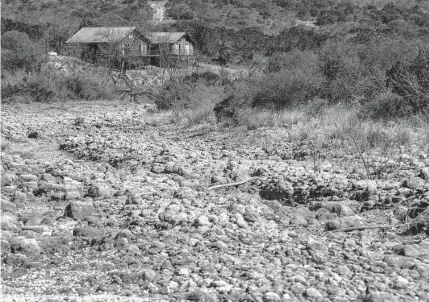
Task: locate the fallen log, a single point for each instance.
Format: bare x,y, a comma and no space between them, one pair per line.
231,184
363,227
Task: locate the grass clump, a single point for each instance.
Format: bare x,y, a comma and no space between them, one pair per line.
200,104
175,94
21,86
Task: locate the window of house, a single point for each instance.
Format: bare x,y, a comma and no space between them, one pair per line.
176,48
187,49
123,49
142,48
130,36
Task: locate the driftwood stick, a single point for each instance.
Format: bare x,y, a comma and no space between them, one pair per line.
232,184
363,227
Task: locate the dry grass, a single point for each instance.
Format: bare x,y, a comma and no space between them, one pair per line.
199,104
372,148
254,118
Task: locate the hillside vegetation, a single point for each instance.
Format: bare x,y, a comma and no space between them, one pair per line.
370,55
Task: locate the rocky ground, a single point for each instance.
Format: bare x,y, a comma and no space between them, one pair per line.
104,201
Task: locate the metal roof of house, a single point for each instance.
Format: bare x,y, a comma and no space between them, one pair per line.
100,34
165,37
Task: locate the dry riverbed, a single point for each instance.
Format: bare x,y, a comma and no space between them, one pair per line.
107,202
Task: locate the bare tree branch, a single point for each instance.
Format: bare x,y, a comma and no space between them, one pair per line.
232,184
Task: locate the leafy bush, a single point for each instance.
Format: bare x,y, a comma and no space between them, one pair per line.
207,78
286,89
228,110
175,93
19,51
171,94
331,16
357,72
180,11
293,79
84,88
31,88
386,106
295,59
298,37
202,101
239,97
39,87
411,81
343,70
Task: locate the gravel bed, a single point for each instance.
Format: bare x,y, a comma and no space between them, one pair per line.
107,202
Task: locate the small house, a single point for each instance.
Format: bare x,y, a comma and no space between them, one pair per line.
97,43
126,47
176,43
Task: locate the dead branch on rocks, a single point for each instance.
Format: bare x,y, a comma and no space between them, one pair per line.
363,227
232,184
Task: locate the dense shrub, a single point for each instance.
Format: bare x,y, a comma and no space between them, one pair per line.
331,16
208,78
180,11
357,71
201,102
408,82
293,60
175,93
34,31
386,106
39,87
293,78
27,87
298,37
171,94
240,97
229,109
286,89
411,81
19,51
81,87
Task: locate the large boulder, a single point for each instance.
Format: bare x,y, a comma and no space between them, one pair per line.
7,221
420,223
79,209
7,179
100,190
88,232
25,245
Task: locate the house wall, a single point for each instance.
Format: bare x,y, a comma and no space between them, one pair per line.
128,47
90,52
131,45
183,47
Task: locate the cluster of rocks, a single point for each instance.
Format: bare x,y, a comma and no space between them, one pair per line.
152,226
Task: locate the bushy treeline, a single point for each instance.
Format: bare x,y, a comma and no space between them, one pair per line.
385,79
232,31
373,53
248,13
